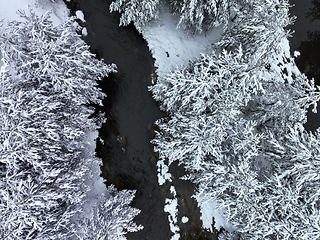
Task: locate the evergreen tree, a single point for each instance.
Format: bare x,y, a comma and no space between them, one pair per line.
258,26
235,121
136,11
201,14
48,80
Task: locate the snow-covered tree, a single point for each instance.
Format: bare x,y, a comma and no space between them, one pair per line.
258,26
232,118
200,15
283,203
136,11
112,219
48,80
204,102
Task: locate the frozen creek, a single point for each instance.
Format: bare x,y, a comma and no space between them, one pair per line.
128,158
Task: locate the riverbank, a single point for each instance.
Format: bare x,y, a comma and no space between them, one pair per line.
172,47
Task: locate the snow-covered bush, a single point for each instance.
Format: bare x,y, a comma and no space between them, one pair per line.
48,80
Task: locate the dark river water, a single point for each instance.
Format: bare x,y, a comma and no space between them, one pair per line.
128,158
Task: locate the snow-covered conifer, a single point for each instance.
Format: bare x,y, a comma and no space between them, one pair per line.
258,26
113,218
136,11
48,79
231,123
199,15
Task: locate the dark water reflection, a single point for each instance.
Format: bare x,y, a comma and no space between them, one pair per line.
128,158
126,151
307,41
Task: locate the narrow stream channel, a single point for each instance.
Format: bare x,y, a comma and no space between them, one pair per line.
128,158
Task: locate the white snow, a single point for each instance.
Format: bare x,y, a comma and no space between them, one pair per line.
209,210
80,15
171,207
97,192
173,191
163,172
184,219
84,32
8,11
171,46
296,54
284,60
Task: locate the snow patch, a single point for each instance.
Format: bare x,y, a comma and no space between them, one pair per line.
184,219
80,15
212,214
171,207
171,46
163,172
84,32
283,65
173,191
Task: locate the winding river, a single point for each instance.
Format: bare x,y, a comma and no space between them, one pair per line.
128,158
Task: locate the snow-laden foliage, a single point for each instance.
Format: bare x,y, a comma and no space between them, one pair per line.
245,20
47,82
204,103
258,26
136,11
283,205
112,219
200,15
235,121
197,15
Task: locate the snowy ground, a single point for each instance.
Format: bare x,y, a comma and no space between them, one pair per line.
171,46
